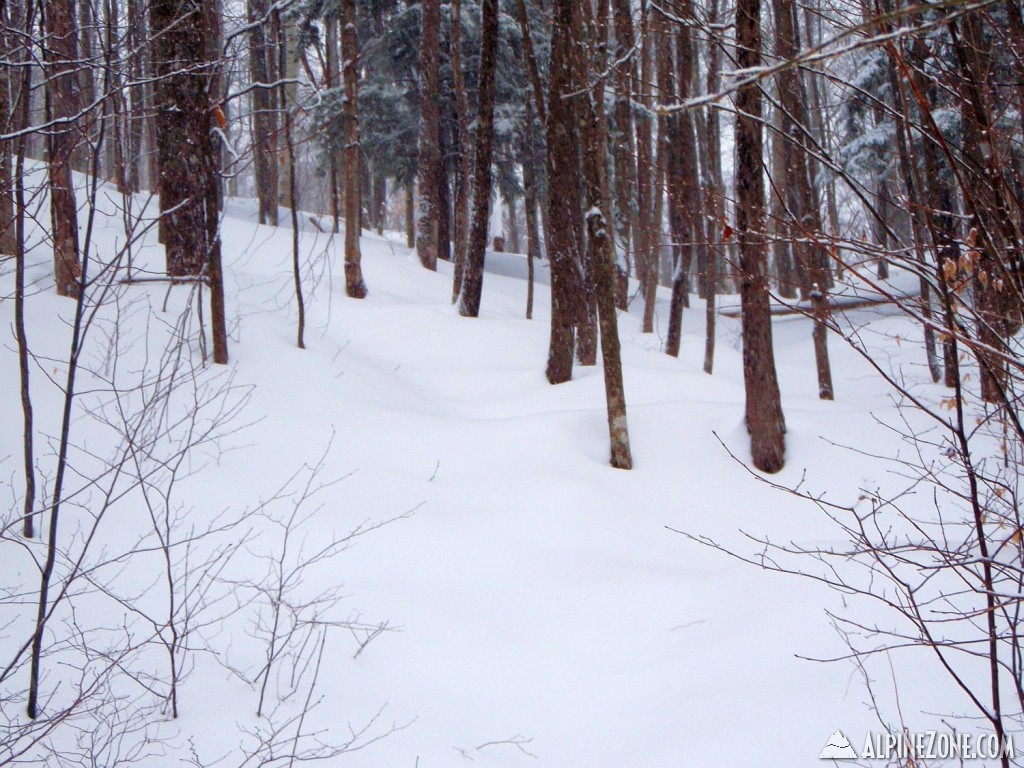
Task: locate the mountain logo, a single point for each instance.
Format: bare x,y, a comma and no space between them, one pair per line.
838,748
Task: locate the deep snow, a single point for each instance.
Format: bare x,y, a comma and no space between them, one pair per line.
535,593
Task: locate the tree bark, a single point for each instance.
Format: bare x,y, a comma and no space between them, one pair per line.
563,194
473,278
429,170
646,238
9,85
60,54
804,220
263,72
684,180
625,144
599,246
354,286
463,171
764,417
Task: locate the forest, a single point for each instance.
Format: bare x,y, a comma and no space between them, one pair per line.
569,382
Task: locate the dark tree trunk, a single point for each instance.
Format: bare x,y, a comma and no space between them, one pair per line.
684,184
263,71
625,145
444,218
135,138
84,67
9,85
473,277
645,236
410,215
530,202
113,107
184,58
354,285
332,77
563,194
804,220
183,131
380,200
994,235
60,54
462,174
430,134
764,405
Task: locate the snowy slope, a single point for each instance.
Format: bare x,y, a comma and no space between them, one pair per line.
543,612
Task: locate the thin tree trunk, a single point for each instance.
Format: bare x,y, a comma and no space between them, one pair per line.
625,144
646,238
530,208
430,133
8,118
463,171
263,71
332,56
287,117
599,245
684,182
473,278
410,215
20,118
354,286
86,87
805,221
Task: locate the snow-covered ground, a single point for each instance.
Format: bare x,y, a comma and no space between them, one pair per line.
541,611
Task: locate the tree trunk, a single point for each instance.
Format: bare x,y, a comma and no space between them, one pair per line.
429,172
473,277
86,87
765,422
60,54
563,194
354,286
684,181
462,174
263,71
804,217
135,138
599,246
286,35
625,144
646,238
410,215
332,56
9,86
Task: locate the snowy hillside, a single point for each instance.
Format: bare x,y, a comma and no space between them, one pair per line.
534,606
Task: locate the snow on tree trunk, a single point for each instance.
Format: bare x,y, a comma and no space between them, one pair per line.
600,251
